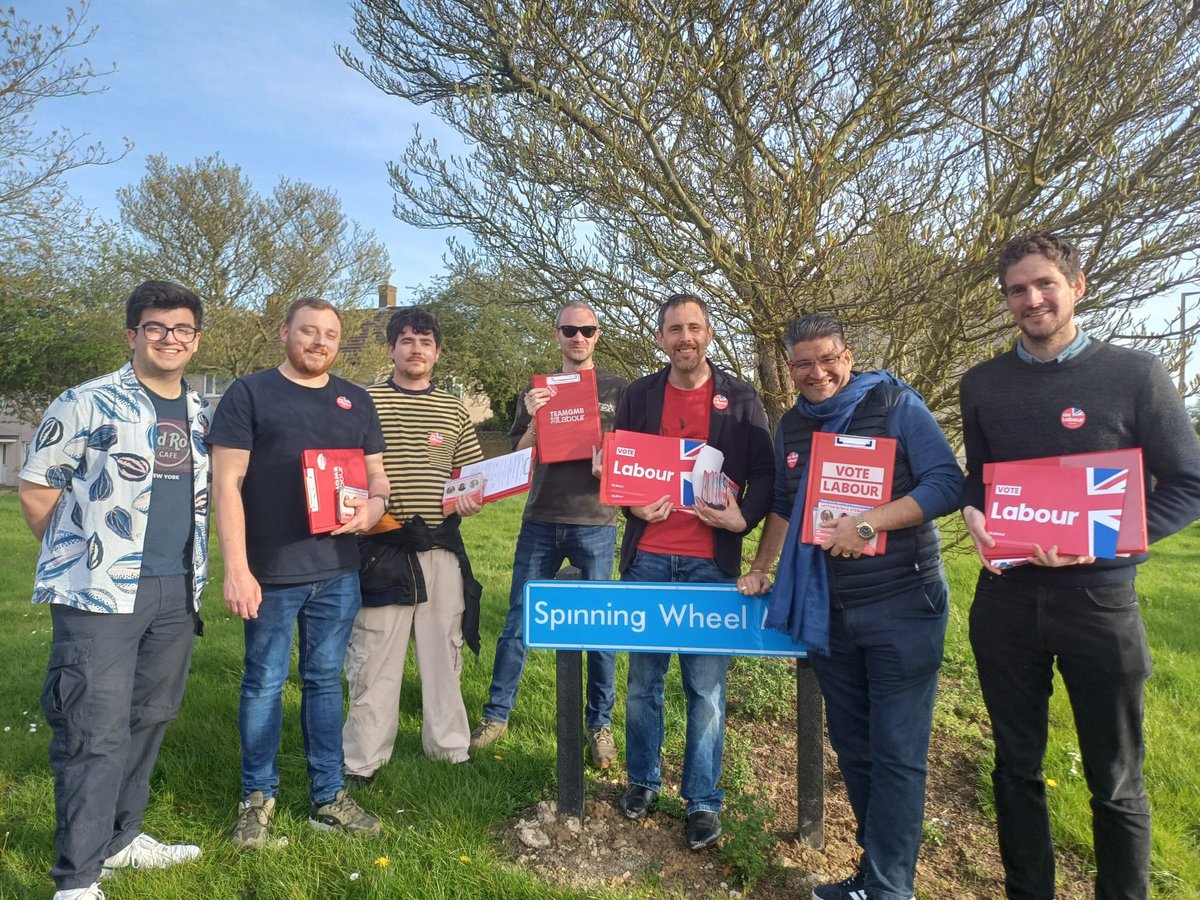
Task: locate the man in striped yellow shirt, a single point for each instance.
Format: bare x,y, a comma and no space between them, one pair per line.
416,578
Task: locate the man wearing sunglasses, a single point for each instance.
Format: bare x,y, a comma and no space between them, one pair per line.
563,521
122,570
873,624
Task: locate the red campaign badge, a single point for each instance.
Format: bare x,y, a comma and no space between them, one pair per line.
344,402
720,401
792,459
1073,417
552,390
435,438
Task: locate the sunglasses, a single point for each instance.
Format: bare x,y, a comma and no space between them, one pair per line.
587,331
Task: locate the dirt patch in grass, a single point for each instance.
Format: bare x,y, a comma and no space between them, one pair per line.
959,858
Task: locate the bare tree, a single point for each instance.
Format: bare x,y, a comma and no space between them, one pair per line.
247,255
38,63
861,156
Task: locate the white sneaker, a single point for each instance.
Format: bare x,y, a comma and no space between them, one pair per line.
87,893
144,852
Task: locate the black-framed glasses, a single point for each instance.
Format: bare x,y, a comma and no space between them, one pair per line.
828,361
588,331
156,331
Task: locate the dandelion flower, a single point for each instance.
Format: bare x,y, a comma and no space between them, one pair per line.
464,858
383,862
1051,783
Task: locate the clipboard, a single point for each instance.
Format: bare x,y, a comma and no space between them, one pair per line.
503,476
330,477
847,475
568,425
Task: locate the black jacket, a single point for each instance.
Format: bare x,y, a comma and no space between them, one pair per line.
389,572
739,431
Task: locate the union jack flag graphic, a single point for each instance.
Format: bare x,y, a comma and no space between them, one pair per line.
1104,525
689,449
1106,481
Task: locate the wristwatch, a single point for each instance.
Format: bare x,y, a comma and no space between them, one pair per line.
865,529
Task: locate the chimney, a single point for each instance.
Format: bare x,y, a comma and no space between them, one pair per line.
387,296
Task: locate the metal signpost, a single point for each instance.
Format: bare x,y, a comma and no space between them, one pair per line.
570,616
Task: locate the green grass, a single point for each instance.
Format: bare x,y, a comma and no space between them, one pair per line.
441,821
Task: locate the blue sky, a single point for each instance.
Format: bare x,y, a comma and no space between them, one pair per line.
258,82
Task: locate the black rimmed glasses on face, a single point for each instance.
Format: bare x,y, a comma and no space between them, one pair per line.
803,366
588,331
156,331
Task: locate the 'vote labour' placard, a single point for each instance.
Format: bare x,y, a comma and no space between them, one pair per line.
1077,510
847,474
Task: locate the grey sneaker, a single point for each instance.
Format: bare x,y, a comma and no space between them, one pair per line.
602,746
253,825
144,852
343,814
486,733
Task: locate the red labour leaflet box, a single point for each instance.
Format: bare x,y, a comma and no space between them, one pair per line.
568,426
641,468
1132,536
1077,509
326,473
847,475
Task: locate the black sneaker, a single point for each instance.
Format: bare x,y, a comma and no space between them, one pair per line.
850,889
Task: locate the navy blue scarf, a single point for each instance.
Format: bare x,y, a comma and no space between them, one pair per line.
799,602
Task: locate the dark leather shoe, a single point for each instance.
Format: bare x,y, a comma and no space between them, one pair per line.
636,801
703,829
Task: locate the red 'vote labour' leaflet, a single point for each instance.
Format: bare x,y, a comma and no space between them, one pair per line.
1077,509
847,475
1132,537
568,426
639,468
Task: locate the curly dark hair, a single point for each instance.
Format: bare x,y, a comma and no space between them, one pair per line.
1058,250
418,320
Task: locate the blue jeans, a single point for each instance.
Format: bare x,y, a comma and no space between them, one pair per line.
1096,636
541,549
325,611
879,682
703,687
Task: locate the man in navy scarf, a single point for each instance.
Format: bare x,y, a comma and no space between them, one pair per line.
873,625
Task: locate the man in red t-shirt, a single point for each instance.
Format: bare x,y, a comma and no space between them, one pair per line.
691,398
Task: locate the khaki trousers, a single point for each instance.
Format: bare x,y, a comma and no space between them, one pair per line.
375,670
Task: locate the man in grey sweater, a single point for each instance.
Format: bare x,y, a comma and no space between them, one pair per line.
1059,391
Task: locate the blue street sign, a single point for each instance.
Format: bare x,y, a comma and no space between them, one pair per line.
664,618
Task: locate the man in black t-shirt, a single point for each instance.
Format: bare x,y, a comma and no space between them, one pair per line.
564,520
278,574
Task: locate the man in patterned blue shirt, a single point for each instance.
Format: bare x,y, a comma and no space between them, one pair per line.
116,489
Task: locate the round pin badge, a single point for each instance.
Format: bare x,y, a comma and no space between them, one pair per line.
344,402
792,459
1073,417
435,438
720,401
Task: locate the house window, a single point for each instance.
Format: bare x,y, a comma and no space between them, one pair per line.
216,385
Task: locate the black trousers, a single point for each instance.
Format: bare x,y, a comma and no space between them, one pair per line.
113,683
1096,636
